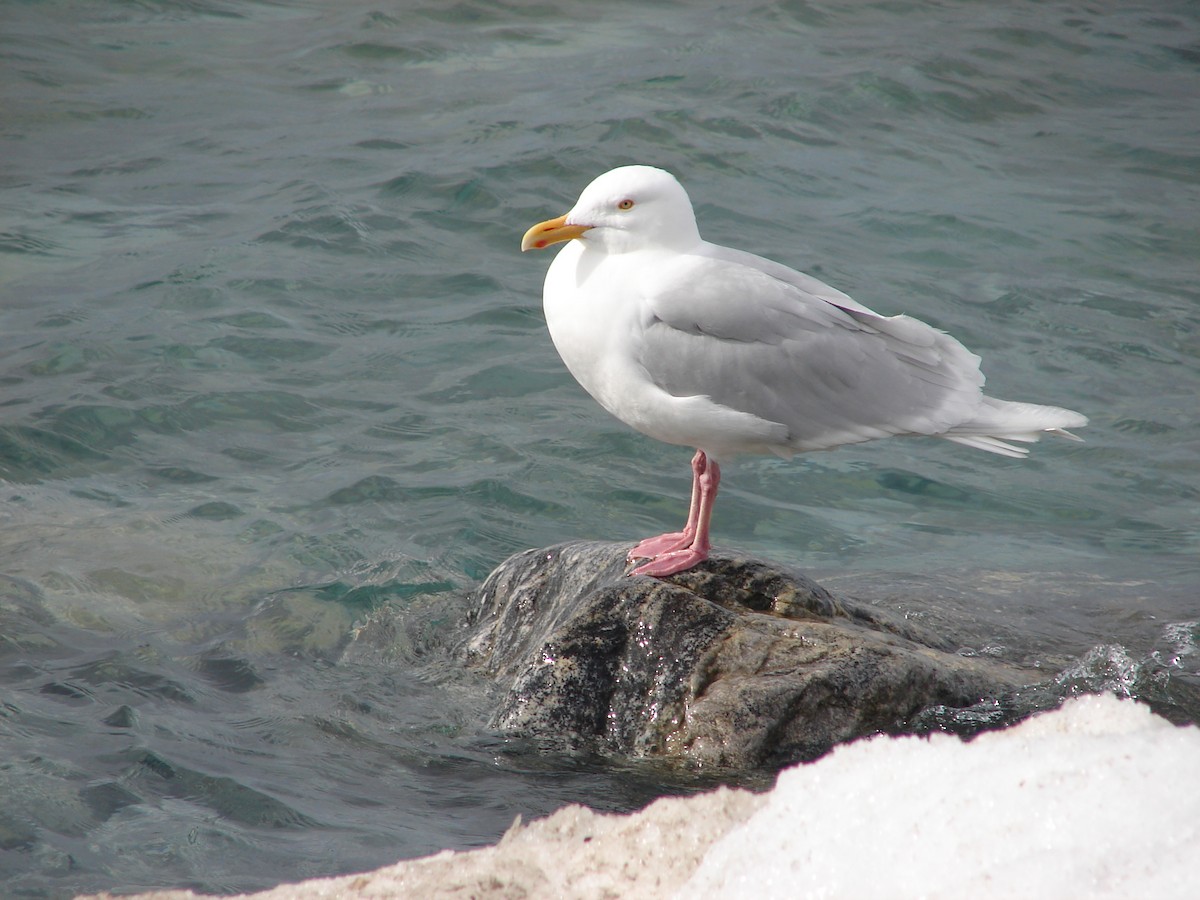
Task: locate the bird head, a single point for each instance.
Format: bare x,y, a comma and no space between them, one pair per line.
630,208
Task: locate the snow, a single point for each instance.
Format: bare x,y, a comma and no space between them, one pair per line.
1098,799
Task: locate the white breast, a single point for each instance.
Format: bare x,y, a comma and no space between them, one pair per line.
597,319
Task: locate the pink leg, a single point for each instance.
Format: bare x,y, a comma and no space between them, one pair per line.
678,559
675,540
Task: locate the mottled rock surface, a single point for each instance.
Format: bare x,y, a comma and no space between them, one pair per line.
737,663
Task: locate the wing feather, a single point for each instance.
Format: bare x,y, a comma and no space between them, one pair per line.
830,372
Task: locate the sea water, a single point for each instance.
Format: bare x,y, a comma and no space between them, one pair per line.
270,359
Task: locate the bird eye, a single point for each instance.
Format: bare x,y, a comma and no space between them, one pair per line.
625,204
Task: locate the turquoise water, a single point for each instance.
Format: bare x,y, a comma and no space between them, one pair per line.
270,358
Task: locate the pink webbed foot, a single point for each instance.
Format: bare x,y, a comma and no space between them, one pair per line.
652,548
672,562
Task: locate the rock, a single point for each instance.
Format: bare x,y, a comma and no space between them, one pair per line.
737,663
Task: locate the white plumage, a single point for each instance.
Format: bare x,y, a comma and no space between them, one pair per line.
714,348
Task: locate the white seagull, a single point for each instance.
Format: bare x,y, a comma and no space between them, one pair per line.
697,344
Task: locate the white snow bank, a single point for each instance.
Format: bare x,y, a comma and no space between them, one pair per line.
1098,799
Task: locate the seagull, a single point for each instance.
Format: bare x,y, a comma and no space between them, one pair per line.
709,347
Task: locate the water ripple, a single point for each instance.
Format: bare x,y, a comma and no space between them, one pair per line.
272,361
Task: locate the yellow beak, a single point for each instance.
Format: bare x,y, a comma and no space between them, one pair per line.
552,231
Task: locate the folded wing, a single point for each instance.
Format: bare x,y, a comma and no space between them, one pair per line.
797,352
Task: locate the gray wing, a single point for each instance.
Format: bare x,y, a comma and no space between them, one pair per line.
831,371
814,287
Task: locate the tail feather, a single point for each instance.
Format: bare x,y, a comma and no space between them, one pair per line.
991,444
1063,433
1000,421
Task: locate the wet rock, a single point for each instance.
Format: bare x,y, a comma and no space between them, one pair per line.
737,663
